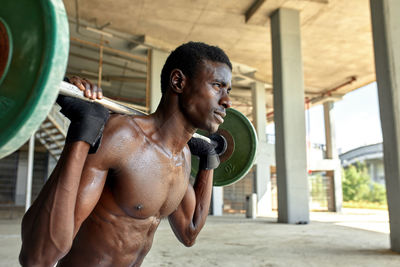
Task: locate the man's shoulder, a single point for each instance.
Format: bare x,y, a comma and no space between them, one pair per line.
120,128
118,122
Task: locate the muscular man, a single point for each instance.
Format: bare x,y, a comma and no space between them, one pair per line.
102,208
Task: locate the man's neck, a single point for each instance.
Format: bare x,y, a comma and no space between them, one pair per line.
171,128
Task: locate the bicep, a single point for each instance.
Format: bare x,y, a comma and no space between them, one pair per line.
94,175
181,218
90,188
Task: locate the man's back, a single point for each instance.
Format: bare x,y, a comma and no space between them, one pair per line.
137,193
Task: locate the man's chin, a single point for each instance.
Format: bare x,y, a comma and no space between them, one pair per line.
210,128
213,129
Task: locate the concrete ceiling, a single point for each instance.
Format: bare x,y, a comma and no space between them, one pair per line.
336,39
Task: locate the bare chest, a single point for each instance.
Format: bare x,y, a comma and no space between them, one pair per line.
150,183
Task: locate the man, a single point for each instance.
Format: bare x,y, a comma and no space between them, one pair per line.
102,209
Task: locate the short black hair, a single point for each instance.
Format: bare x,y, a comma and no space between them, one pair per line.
187,58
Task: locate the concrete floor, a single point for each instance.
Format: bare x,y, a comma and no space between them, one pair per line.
350,238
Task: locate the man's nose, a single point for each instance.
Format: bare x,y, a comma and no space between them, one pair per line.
225,101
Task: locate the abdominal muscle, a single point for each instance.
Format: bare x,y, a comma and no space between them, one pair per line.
111,238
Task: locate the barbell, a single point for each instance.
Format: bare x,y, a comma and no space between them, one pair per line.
33,61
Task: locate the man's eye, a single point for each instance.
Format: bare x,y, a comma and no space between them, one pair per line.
217,85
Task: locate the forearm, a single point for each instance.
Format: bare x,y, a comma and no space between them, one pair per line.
203,190
48,226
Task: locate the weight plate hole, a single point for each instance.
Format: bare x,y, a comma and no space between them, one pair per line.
5,48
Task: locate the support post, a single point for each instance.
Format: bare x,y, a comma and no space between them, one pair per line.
331,153
289,114
157,60
217,200
22,173
386,34
262,177
51,164
31,153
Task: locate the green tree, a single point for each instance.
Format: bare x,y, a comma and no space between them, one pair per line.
355,182
377,193
357,185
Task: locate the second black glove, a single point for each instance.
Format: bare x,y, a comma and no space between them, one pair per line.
206,152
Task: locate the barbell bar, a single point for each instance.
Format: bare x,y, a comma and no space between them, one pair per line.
69,89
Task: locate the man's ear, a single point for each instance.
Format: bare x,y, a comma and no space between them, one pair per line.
177,80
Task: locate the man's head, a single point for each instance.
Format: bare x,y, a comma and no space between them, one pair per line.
188,57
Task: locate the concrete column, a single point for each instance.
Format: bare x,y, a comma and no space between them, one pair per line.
331,153
262,177
386,33
217,200
251,206
22,171
31,153
330,136
157,61
289,114
51,164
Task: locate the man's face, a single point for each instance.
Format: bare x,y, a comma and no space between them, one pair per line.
205,97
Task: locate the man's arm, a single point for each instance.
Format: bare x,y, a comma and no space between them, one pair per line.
49,226
191,214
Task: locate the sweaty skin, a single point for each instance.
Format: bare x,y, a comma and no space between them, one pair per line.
103,209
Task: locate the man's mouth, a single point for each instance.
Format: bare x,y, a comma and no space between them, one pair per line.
219,116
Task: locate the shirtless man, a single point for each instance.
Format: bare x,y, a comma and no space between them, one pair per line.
102,209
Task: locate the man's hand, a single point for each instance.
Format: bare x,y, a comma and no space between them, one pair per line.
87,120
205,151
90,90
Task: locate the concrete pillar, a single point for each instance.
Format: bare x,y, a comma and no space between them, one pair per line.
51,164
386,34
22,172
331,153
289,115
262,177
31,153
251,206
217,200
157,61
330,136
374,171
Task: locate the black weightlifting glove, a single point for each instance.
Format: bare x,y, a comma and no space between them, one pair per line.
205,151
87,120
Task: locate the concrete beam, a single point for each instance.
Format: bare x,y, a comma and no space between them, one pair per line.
317,1
253,9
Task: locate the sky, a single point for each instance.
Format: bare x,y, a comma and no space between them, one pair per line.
357,120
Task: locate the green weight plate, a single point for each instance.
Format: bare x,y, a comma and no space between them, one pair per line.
238,159
40,43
